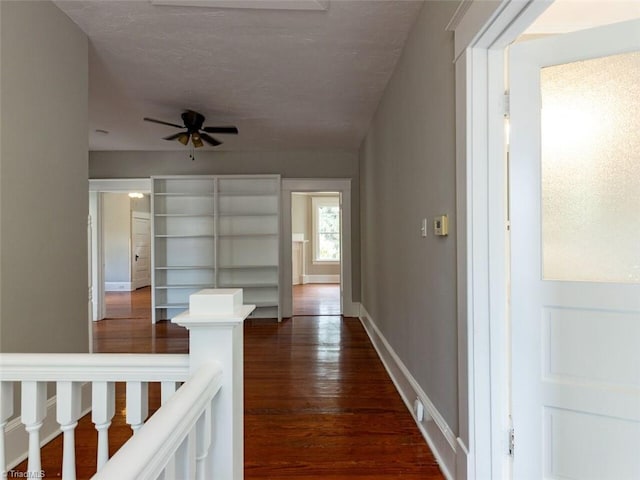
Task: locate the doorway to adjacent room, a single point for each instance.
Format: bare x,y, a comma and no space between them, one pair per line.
315,252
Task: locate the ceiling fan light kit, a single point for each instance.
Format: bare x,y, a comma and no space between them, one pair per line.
193,122
183,138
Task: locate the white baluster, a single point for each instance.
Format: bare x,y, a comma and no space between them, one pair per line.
185,459
137,404
6,410
34,409
203,442
68,406
170,470
166,390
103,399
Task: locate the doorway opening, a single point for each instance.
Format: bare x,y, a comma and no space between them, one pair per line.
316,253
348,307
120,249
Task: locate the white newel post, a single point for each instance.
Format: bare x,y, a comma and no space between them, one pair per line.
215,323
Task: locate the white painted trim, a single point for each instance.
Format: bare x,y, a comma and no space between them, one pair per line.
320,279
458,15
118,287
434,428
17,439
462,460
342,185
484,361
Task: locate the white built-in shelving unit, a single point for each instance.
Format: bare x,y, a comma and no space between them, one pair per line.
217,231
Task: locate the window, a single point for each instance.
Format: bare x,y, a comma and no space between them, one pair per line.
326,229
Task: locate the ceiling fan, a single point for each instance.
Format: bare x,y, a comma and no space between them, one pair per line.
193,123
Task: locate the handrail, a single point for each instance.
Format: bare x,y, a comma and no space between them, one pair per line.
105,367
156,442
198,428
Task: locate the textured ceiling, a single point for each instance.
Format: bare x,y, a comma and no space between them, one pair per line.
288,79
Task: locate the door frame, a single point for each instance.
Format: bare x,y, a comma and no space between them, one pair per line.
100,186
343,186
482,33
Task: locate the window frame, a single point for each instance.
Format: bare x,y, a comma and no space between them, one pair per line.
316,203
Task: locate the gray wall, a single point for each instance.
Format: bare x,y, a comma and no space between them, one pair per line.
289,164
116,218
299,214
43,180
407,164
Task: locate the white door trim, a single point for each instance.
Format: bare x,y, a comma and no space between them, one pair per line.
109,185
484,359
342,185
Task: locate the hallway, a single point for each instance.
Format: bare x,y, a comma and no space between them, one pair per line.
318,401
316,299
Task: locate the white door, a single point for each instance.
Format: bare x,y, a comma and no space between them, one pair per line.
141,252
575,222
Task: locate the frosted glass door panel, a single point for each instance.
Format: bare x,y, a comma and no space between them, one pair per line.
590,150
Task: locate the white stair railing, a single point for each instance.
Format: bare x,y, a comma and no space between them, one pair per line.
32,372
185,417
196,433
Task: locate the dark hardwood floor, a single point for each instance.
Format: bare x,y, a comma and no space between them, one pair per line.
318,402
316,299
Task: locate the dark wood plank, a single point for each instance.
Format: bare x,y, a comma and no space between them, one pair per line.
318,402
316,299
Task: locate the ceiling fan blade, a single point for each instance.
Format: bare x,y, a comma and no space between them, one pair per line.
210,140
174,136
231,130
146,119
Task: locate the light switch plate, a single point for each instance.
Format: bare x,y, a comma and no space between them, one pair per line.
441,226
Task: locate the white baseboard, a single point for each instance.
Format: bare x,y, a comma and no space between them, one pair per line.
433,427
320,279
118,287
17,439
